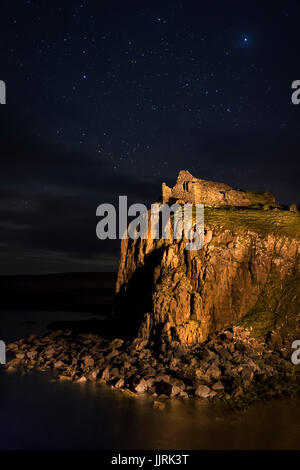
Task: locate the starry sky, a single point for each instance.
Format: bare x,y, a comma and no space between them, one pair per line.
109,98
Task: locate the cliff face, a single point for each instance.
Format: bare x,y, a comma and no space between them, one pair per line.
247,272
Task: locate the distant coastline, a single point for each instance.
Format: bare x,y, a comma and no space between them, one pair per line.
63,291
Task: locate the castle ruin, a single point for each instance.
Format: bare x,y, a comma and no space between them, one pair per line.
189,189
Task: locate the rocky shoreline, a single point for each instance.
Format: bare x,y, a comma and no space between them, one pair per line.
230,365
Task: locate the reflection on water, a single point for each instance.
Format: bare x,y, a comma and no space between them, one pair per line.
39,413
16,324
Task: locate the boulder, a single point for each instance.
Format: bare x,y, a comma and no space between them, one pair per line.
105,374
203,391
218,386
142,386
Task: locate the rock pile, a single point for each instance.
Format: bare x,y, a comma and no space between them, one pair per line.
230,365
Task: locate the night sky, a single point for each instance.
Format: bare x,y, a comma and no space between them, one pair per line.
109,98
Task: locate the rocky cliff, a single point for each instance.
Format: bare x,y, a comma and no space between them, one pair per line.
246,273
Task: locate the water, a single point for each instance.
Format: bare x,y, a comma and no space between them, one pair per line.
15,324
38,412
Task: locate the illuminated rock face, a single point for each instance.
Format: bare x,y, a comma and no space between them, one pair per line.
248,270
210,193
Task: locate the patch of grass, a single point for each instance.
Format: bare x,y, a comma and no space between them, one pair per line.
256,198
241,219
277,307
277,222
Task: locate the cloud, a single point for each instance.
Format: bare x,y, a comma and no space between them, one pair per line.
48,202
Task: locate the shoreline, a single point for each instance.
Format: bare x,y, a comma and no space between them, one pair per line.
230,367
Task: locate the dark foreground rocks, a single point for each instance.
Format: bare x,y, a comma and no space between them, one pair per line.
230,365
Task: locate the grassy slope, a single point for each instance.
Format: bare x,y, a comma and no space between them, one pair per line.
277,308
264,222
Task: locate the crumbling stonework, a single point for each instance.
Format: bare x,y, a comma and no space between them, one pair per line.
211,194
